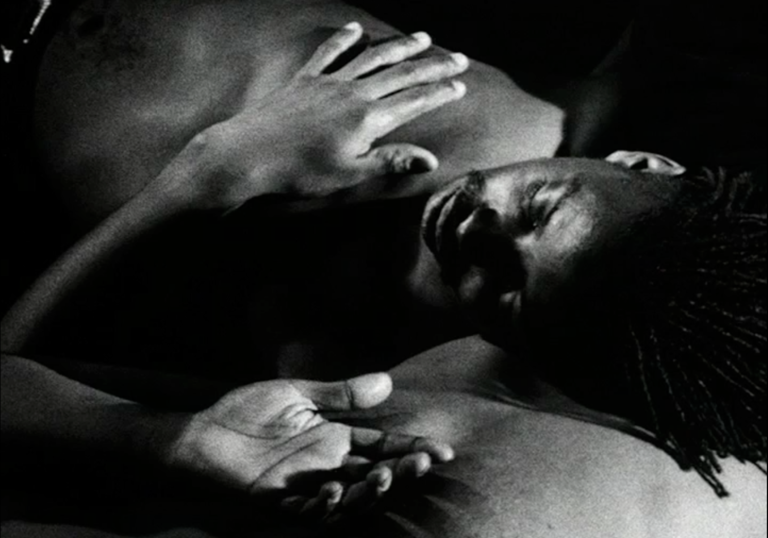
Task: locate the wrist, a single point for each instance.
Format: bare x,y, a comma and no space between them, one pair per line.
182,186
208,176
148,452
154,437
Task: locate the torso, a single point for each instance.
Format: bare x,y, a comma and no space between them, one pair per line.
530,463
533,463
520,472
333,291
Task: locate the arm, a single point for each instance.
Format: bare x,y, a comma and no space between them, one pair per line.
223,167
310,140
70,417
261,439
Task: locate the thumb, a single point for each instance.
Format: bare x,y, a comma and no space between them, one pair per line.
400,159
357,393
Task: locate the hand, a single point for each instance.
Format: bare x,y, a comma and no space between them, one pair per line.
270,439
315,136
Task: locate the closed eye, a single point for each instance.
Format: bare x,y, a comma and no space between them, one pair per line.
541,208
531,212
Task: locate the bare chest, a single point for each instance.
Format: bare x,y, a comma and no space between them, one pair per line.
116,103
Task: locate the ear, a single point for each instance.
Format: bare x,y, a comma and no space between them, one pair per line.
647,162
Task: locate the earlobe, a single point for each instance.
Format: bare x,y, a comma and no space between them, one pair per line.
647,162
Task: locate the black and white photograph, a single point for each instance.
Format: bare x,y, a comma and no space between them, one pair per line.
383,268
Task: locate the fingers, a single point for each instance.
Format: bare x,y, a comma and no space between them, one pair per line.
414,73
361,491
358,393
380,479
335,502
401,108
300,459
363,496
377,445
398,159
330,50
381,474
390,53
393,112
319,507
411,466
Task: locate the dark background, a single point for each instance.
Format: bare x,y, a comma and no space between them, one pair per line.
694,80
692,85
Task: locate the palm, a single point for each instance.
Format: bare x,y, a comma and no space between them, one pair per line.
258,438
269,434
265,437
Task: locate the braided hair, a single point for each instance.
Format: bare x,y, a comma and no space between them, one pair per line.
694,325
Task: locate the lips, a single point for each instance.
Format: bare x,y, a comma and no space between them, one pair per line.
443,215
432,215
491,293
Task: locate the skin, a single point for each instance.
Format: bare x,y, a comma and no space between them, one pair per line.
530,462
529,248
125,109
261,439
514,241
89,150
109,123
523,473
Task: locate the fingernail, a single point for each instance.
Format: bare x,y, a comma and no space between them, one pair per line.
459,86
353,26
423,468
422,37
384,484
460,58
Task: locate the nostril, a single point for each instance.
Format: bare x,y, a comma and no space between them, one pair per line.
475,236
484,243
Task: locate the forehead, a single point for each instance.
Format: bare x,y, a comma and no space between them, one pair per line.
563,169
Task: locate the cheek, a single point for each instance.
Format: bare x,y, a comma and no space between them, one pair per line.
557,259
571,228
545,291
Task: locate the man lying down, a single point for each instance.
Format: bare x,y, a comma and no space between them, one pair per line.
570,265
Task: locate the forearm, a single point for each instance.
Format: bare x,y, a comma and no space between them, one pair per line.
100,252
41,408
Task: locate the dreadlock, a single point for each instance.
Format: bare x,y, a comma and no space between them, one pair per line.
694,329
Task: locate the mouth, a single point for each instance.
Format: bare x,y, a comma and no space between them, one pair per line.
442,216
432,213
493,300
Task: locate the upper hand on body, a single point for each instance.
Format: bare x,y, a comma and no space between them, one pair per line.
270,439
315,136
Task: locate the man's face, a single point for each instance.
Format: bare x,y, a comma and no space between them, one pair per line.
516,243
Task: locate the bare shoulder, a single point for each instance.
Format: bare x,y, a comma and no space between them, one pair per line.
590,480
523,471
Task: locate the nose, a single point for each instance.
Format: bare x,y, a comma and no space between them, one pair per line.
484,241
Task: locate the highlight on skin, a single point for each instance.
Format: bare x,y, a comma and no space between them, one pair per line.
695,325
